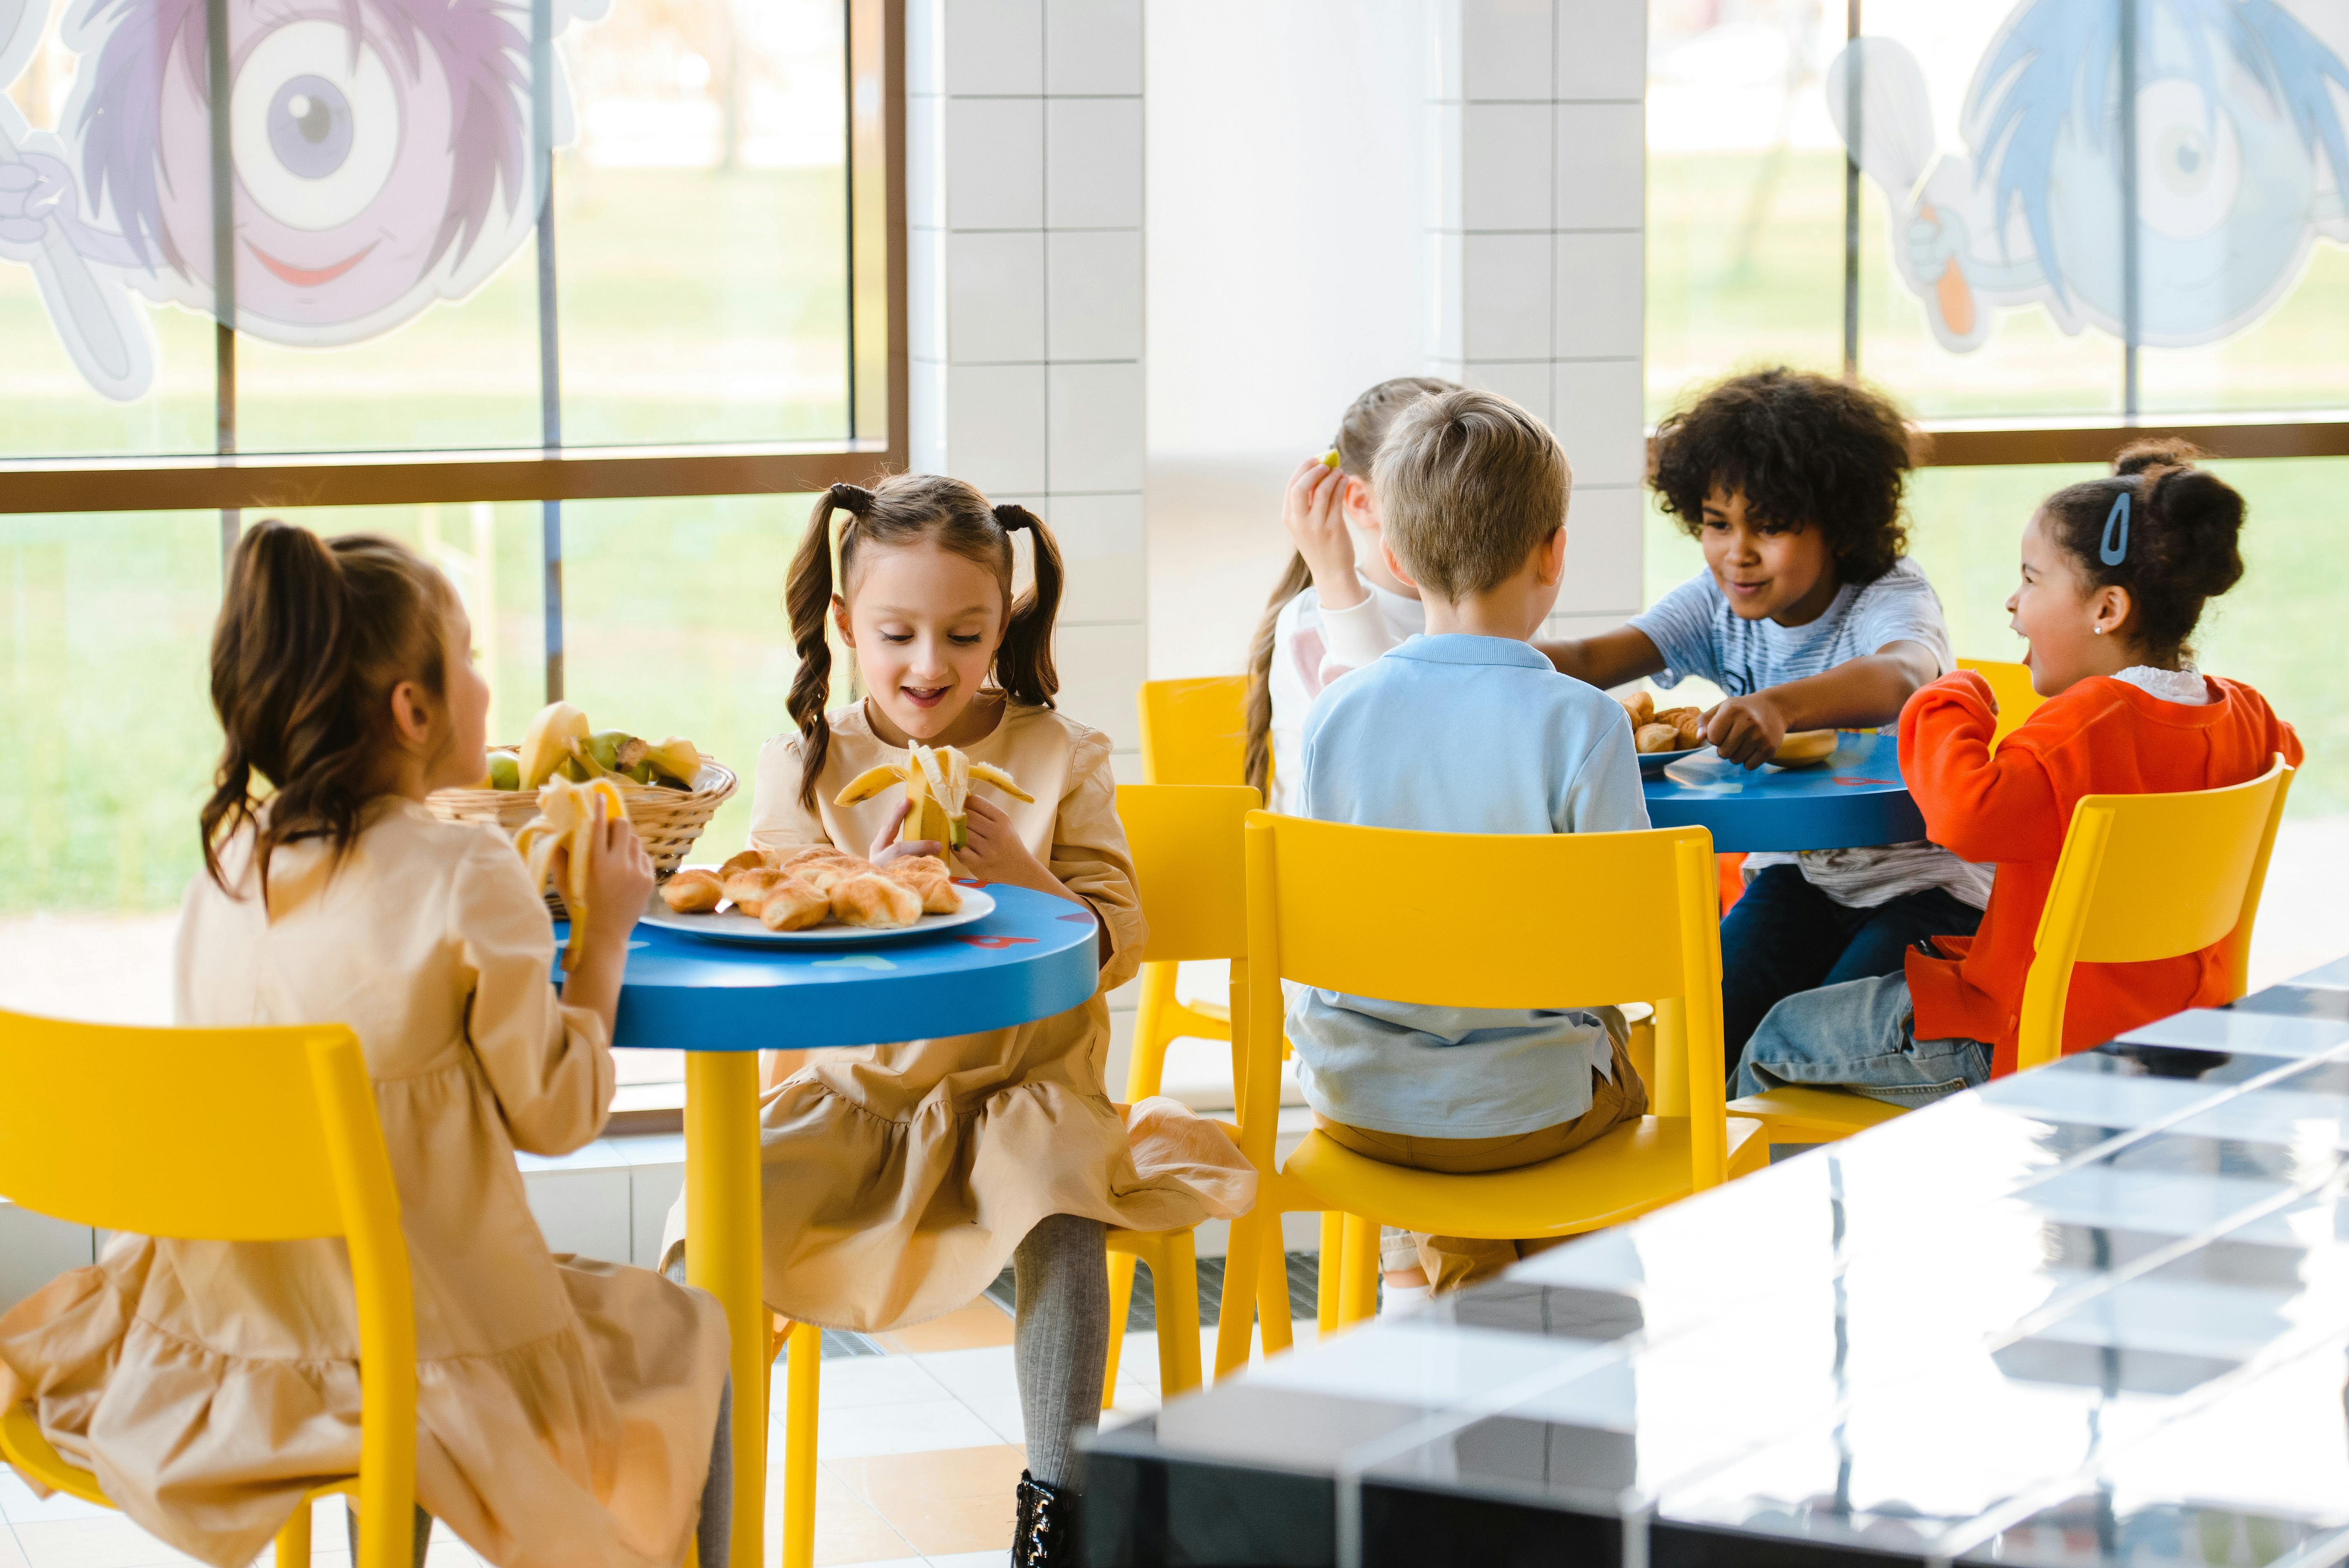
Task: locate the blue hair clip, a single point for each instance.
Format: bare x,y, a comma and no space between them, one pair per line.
2109,551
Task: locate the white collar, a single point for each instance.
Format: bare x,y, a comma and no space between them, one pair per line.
2184,686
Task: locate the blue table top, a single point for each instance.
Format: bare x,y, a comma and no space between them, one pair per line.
1031,958
1853,799
2091,1315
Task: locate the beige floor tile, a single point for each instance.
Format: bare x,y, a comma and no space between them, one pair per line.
847,1529
979,1324
11,1554
960,1499
112,1542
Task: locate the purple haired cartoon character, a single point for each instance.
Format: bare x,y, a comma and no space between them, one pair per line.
381,150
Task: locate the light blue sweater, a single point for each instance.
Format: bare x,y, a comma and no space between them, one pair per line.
1459,734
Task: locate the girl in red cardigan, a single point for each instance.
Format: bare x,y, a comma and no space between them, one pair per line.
2115,575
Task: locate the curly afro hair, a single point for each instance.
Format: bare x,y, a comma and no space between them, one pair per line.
1806,449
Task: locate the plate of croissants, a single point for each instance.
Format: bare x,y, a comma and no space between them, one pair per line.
817,895
1662,736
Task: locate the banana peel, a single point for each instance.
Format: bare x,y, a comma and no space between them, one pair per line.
675,758
566,822
938,783
546,745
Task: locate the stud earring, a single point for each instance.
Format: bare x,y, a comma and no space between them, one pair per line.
2098,630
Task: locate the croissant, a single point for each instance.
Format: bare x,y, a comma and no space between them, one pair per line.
1691,730
798,860
872,900
826,876
926,875
1641,706
693,891
1650,737
793,904
748,861
749,889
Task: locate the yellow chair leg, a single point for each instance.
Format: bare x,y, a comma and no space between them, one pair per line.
1121,1298
1151,1031
1175,1291
1272,1293
293,1540
1329,1271
1357,1291
798,1445
1244,1257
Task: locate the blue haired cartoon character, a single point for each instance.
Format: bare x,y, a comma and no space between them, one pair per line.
2241,155
380,150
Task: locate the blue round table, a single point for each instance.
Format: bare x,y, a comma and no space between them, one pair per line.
1855,797
723,1002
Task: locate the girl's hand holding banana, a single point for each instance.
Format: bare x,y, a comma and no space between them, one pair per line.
994,852
886,846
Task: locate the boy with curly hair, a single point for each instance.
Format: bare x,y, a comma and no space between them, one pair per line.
1809,615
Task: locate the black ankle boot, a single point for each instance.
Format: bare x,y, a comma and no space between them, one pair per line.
1046,1534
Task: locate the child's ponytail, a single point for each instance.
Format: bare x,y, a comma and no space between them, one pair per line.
807,600
1023,663
313,635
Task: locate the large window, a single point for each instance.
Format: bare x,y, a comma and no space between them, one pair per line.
581,299
1963,205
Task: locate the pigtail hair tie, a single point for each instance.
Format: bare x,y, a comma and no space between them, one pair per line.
1011,517
854,499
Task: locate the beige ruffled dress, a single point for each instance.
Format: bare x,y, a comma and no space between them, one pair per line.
900,1177
565,1407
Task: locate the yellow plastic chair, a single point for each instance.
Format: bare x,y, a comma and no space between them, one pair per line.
1193,732
2011,685
1375,912
237,1135
2140,877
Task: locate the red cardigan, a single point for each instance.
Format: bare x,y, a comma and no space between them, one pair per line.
2103,736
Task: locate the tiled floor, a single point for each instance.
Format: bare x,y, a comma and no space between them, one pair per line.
917,1452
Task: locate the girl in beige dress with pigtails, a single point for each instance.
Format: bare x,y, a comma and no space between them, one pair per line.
900,1178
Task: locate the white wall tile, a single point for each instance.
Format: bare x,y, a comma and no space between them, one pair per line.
1603,552
1505,296
1601,291
926,293
1093,280
1446,301
995,297
35,1249
994,162
653,1191
1442,48
1100,540
582,1212
1602,49
1444,183
1526,384
925,46
1583,626
995,426
1094,163
1505,47
1598,418
994,46
1505,166
926,415
925,186
1602,167
1092,45
1096,424
1101,668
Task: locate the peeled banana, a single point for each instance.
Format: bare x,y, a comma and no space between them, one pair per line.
546,745
938,781
559,743
567,821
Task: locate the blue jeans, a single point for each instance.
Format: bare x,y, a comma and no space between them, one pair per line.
1784,935
1858,1036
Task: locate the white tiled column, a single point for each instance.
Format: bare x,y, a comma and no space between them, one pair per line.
1536,132
1024,176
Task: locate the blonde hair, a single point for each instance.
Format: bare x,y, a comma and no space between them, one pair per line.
1363,426
1469,484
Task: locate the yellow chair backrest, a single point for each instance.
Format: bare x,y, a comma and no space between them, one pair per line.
2143,877
240,1135
1480,920
2011,684
1189,868
1194,731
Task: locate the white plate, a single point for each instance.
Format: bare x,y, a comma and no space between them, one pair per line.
1653,763
728,925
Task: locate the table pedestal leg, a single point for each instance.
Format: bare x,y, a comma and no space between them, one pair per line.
722,1256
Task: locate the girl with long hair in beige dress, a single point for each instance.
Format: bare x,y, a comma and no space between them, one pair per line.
901,1177
569,1414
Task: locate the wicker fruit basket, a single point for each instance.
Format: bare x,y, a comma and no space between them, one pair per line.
667,821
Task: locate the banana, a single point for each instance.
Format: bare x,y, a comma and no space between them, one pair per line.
938,784
547,744
615,751
675,758
567,821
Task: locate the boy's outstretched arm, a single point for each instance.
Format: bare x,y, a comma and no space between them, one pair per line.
1857,694
1611,658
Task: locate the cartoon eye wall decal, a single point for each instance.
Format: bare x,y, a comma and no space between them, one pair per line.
314,125
2190,162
